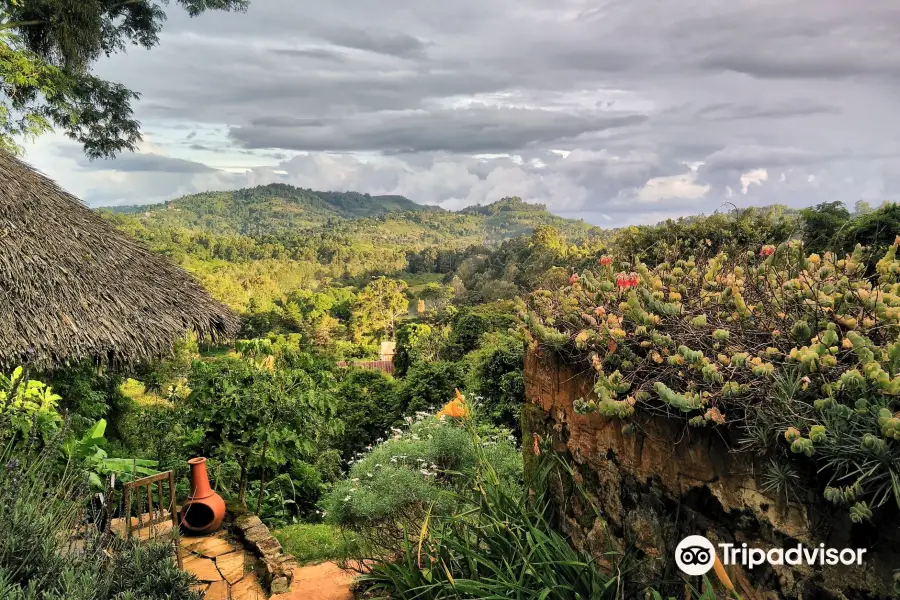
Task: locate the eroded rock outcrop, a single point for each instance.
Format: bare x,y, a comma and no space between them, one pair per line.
644,491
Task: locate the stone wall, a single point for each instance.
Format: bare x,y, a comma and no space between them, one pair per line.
274,565
644,491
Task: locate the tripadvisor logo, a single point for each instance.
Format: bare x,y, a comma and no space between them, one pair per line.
695,555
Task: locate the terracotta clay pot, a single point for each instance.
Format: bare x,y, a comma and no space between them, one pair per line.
204,509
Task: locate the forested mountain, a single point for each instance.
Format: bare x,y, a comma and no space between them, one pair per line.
279,209
269,209
251,246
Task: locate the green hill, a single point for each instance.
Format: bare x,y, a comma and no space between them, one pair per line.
279,210
251,246
273,209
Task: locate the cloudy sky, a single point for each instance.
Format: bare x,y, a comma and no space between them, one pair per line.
621,111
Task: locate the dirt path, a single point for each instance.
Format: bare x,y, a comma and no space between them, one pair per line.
325,581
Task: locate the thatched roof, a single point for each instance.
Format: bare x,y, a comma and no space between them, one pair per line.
73,287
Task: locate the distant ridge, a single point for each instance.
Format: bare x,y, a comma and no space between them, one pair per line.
283,210
509,204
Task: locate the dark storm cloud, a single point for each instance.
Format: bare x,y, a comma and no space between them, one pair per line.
774,65
472,130
725,111
315,53
637,92
136,162
392,44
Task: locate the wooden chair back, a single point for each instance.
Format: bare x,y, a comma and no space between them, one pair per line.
141,492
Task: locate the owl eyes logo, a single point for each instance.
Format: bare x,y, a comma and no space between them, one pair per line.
695,555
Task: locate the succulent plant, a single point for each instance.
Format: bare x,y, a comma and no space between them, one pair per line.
807,339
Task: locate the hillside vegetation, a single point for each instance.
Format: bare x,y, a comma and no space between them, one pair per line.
250,247
283,210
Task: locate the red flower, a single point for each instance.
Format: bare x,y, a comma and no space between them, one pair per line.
767,251
574,278
627,281
605,261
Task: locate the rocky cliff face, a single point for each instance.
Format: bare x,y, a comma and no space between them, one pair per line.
645,490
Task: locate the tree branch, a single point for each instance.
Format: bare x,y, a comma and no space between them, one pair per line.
18,24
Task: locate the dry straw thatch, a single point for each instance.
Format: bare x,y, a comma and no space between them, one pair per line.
73,287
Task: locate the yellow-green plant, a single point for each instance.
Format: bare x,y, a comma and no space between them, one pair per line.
773,339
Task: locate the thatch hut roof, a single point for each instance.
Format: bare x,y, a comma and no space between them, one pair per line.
73,287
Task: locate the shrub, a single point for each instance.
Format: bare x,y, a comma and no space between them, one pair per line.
419,342
89,395
394,484
29,410
501,545
765,341
470,323
876,230
495,376
428,385
822,225
721,232
367,403
261,417
407,336
40,559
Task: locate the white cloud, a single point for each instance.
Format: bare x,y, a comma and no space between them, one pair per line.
754,177
673,186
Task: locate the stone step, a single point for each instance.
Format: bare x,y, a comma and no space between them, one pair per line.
203,569
247,588
219,590
232,566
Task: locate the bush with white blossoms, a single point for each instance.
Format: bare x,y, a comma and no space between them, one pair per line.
416,470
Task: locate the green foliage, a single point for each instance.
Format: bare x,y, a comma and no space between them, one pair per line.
830,226
822,224
427,385
418,342
496,379
89,394
88,453
378,308
28,409
876,230
259,417
768,341
39,560
471,323
408,336
367,404
47,49
395,483
731,233
502,545
161,375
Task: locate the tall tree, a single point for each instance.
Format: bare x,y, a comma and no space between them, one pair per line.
822,225
47,50
378,307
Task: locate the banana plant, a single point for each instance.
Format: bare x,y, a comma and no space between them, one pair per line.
89,453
